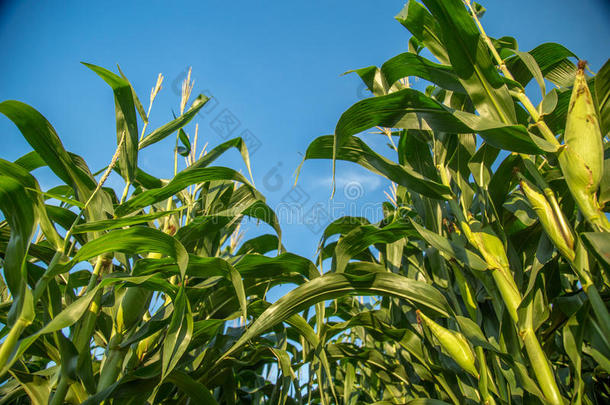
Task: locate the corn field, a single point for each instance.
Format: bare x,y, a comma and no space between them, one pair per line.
487,281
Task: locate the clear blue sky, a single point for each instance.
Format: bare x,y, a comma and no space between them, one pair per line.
276,66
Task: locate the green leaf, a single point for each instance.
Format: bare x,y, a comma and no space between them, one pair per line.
108,224
471,61
414,151
18,209
172,126
475,335
602,96
31,184
343,226
136,100
237,143
179,333
598,243
126,120
425,28
355,150
260,210
37,387
195,390
240,291
408,64
556,120
181,181
258,266
362,237
404,65
573,333
373,78
185,149
30,161
42,137
334,285
410,109
549,102
261,244
68,316
531,64
134,241
552,60
480,164
371,358
452,249
426,401
520,208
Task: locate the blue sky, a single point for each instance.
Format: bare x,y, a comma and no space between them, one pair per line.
275,67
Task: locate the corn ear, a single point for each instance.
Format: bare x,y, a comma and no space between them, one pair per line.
582,155
492,249
465,291
550,220
488,244
494,253
454,344
582,133
134,304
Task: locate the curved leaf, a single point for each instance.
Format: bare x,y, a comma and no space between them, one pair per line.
334,285
42,136
408,64
471,61
134,241
410,109
364,236
261,244
602,96
182,180
126,120
355,150
108,224
172,126
195,390
425,28
452,249
18,209
553,62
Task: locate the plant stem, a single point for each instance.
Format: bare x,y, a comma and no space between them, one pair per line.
113,363
541,366
580,266
125,191
12,338
520,95
512,300
86,326
60,392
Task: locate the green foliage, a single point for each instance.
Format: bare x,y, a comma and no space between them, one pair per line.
522,265
106,299
488,277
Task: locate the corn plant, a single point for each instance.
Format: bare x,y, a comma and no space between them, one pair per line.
491,264
131,297
486,282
